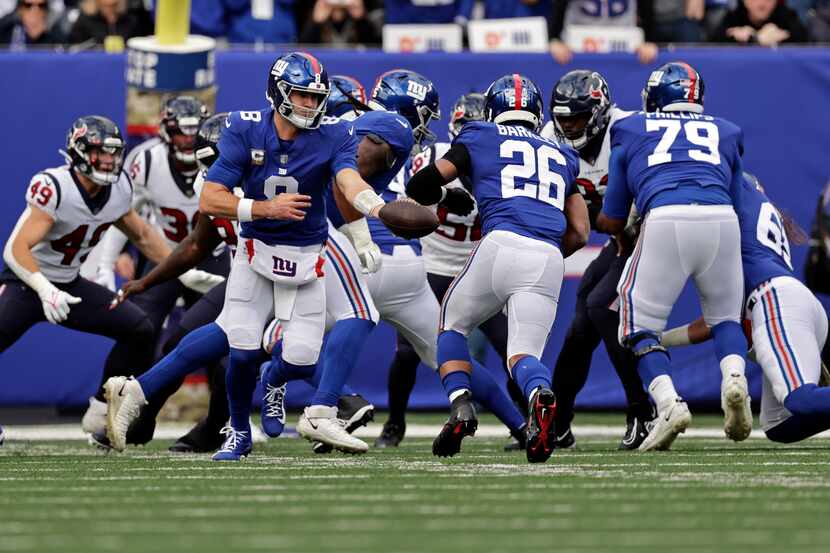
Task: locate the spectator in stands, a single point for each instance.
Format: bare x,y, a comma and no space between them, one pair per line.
818,22
338,23
261,22
590,12
428,11
102,18
29,25
678,20
209,18
503,9
716,10
764,22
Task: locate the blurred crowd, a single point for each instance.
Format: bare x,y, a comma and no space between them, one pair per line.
25,23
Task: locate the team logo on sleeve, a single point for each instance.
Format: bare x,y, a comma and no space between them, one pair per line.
258,157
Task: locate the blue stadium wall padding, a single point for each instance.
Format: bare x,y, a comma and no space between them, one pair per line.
779,98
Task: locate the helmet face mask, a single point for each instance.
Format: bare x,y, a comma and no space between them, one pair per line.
412,96
95,149
206,146
580,107
180,120
298,73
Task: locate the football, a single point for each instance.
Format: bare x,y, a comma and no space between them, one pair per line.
408,219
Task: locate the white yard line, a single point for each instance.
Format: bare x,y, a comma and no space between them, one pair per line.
49,432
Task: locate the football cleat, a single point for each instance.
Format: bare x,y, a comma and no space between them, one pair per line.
2,435
355,411
391,435
824,379
95,418
565,439
125,398
735,402
202,438
236,447
99,440
273,404
638,423
519,442
541,427
462,422
320,423
672,421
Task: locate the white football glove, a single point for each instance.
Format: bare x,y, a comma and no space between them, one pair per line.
369,253
200,281
105,276
55,302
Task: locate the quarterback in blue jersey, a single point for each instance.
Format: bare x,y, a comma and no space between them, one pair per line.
682,170
788,324
533,217
284,158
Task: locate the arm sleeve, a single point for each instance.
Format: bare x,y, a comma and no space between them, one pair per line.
233,155
556,21
425,186
344,155
617,196
459,156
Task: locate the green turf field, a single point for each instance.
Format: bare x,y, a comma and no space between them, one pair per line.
707,495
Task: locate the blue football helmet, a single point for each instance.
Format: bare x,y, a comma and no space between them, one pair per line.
675,86
410,95
298,72
514,99
469,107
338,105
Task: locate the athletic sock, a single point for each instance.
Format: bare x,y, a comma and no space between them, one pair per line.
529,373
241,381
488,392
342,349
199,348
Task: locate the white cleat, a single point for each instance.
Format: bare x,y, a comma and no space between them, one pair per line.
672,421
734,400
125,398
95,418
320,423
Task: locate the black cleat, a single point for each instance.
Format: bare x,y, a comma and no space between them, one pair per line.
99,440
564,439
355,411
541,430
391,435
519,442
637,428
202,438
462,422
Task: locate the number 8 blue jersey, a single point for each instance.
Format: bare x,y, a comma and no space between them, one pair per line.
520,179
672,158
251,155
765,251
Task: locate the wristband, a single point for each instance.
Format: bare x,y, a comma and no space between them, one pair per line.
244,210
366,201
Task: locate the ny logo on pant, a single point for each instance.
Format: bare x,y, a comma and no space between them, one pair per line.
284,267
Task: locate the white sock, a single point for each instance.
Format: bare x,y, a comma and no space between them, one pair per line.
457,393
732,364
663,392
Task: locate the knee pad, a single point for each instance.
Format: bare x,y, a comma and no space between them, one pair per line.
452,346
643,343
299,350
